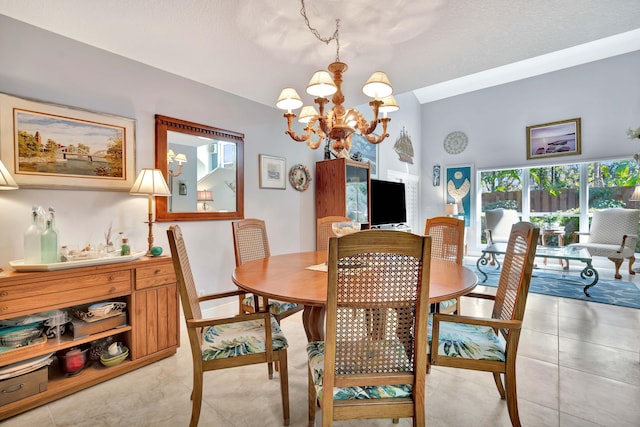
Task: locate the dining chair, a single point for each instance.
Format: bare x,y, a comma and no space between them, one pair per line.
324,230
372,363
447,243
219,343
250,242
491,344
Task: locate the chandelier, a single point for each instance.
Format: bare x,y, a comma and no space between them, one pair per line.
338,124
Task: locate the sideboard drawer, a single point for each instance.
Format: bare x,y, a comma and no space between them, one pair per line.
43,295
157,275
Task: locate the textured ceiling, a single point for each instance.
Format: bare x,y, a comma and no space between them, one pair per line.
254,48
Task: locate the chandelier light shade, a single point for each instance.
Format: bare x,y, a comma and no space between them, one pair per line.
6,180
321,84
337,124
150,183
389,105
289,100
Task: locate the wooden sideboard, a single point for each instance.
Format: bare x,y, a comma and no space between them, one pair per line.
147,285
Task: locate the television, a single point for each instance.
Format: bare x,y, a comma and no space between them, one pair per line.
388,203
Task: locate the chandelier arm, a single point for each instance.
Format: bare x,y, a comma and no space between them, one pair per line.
291,132
377,140
375,104
311,129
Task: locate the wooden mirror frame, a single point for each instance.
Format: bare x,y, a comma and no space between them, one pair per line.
165,124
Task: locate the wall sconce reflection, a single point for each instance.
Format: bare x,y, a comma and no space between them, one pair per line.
173,157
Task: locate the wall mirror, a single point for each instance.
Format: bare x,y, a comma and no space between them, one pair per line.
203,166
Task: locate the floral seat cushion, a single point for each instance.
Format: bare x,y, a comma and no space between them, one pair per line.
468,341
239,338
275,307
315,351
448,303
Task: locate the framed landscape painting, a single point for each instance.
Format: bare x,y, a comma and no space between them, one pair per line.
554,139
53,146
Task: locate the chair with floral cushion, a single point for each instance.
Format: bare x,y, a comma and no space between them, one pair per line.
491,344
447,242
250,242
372,363
225,342
324,230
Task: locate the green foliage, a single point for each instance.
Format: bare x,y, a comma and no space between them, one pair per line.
27,145
501,180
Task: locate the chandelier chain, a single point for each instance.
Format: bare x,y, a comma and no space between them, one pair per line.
335,36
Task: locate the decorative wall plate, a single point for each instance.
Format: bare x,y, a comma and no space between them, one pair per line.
299,177
455,142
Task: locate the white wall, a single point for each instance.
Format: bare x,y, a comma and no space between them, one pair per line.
44,66
604,94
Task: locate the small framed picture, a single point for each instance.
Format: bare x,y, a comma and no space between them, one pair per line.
554,139
272,172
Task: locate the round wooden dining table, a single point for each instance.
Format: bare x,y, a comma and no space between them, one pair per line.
288,278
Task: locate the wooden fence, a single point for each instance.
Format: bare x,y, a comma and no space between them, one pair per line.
543,201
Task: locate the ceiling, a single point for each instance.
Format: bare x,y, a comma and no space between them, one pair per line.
436,48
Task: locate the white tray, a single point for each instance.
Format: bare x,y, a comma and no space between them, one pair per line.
19,264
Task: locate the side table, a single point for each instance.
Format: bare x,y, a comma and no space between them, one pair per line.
558,232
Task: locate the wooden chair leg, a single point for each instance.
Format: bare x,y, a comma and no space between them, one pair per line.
284,385
632,259
498,381
617,262
512,397
312,400
196,398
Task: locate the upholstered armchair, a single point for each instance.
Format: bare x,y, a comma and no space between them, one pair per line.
613,234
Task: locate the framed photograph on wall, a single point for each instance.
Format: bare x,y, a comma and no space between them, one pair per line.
368,151
54,146
458,187
272,172
554,139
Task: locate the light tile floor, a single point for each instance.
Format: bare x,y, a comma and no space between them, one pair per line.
578,365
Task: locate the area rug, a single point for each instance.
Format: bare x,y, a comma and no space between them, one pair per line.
569,285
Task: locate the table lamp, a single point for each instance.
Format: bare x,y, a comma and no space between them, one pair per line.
451,209
6,180
204,197
150,183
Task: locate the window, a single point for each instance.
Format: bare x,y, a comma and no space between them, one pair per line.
551,196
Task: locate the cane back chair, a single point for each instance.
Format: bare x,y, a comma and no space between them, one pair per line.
447,242
372,363
491,344
219,343
324,230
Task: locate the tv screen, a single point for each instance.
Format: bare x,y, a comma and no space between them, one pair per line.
388,204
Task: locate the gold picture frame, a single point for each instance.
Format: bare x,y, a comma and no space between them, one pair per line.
59,147
562,138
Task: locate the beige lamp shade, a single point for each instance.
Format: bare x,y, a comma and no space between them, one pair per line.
321,84
289,99
150,182
451,209
307,113
205,196
378,86
635,197
6,180
389,105
180,158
